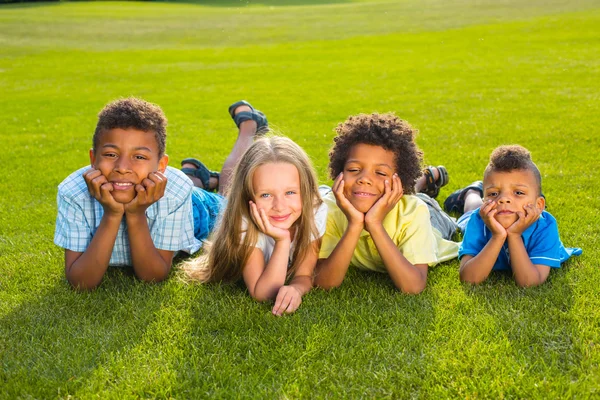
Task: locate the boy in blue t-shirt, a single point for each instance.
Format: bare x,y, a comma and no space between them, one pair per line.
508,229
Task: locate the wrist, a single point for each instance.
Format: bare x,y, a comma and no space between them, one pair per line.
132,216
113,215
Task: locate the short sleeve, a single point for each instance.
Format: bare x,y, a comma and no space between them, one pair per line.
173,227
331,236
474,239
545,247
72,230
321,219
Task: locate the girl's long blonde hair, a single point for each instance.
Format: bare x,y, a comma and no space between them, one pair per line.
226,252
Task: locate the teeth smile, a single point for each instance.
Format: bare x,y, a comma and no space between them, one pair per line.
122,184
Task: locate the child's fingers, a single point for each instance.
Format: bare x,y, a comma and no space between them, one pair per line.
294,304
265,220
160,183
95,185
256,216
338,180
282,301
104,192
397,190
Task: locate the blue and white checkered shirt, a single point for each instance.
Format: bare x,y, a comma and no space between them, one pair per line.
170,219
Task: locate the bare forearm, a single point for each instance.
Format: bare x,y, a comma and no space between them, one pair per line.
274,274
148,264
406,276
478,268
524,271
87,270
332,270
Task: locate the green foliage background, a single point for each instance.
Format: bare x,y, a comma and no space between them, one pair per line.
469,74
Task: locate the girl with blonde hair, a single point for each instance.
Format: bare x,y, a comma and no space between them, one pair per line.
269,232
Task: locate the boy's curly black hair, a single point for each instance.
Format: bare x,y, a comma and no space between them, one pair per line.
133,113
384,130
509,158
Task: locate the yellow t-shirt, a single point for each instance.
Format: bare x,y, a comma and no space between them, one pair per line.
409,227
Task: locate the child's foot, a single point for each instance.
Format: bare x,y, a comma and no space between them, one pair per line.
432,180
200,175
456,201
246,118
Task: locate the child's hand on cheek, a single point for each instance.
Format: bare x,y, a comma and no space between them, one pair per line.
149,191
352,214
100,189
488,212
527,217
381,208
288,300
261,219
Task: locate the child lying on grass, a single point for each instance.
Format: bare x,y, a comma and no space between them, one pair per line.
129,207
375,220
508,229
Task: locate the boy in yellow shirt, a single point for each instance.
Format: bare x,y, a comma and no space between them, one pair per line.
375,220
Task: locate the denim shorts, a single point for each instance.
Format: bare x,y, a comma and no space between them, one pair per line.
206,207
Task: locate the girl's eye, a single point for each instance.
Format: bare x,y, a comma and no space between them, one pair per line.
110,155
381,174
264,195
519,193
290,192
352,170
140,157
492,194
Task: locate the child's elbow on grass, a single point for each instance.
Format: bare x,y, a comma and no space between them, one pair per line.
82,286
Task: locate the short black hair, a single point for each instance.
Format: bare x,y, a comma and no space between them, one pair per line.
514,157
385,130
133,113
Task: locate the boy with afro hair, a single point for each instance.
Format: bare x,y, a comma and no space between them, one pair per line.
508,229
376,221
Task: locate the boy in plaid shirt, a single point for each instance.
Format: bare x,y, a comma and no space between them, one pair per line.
129,207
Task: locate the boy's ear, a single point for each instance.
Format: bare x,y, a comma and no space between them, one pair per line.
92,157
163,162
541,203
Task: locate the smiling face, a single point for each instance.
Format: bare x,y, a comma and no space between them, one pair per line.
125,157
365,172
512,191
277,192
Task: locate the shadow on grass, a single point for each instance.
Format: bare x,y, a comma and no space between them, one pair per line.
63,341
364,337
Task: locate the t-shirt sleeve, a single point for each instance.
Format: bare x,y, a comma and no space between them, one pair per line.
72,231
474,239
545,246
173,229
321,219
331,236
417,243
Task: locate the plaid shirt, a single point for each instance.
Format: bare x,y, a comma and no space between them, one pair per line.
170,219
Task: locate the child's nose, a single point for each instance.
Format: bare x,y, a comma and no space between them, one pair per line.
365,178
122,165
503,199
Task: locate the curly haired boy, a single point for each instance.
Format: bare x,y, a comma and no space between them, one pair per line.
508,229
375,220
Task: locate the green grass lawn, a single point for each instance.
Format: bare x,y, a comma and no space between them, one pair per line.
471,75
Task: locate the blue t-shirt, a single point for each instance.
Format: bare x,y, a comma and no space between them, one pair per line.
541,240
